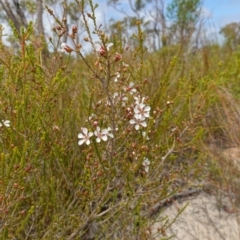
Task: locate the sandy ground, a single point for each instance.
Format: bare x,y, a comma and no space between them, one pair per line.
204,218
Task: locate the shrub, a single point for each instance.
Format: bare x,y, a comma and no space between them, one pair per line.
94,141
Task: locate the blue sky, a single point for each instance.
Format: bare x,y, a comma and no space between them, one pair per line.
217,13
222,12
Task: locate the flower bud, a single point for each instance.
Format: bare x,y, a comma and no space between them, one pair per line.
66,48
96,63
79,46
74,29
59,27
62,32
117,57
102,51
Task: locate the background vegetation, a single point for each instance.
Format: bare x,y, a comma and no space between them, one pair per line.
165,99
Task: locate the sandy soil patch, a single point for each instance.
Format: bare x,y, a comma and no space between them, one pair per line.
204,218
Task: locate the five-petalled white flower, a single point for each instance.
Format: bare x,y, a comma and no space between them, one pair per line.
5,123
120,98
146,164
130,88
102,134
84,136
138,99
138,123
141,111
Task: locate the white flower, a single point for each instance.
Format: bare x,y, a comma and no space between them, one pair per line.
115,95
65,48
92,115
109,45
141,111
138,99
102,134
146,164
84,136
138,123
130,88
117,76
102,50
123,99
5,123
109,132
120,98
63,45
144,135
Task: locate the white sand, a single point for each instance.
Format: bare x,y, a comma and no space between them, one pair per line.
205,218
